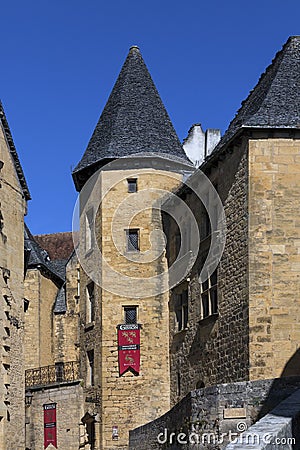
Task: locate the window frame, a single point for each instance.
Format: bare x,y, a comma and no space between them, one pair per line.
209,294
182,310
90,379
127,308
132,231
90,303
89,228
133,183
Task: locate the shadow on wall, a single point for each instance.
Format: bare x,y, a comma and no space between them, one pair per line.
281,388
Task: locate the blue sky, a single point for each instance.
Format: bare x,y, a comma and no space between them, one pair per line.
60,59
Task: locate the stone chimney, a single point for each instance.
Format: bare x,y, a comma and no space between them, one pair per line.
199,144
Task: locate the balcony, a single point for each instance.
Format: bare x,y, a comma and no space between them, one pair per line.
67,372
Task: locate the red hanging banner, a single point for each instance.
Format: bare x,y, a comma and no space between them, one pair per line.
129,347
50,434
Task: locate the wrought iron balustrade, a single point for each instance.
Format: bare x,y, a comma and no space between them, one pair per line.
57,373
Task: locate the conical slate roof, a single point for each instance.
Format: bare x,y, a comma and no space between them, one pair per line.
134,120
275,100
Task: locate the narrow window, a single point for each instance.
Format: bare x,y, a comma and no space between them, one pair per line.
26,305
130,314
90,302
132,185
132,237
214,292
90,368
205,220
178,384
209,295
182,310
89,230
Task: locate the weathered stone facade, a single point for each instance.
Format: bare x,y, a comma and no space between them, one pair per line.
274,261
238,325
39,336
12,210
122,396
203,354
209,418
66,324
71,432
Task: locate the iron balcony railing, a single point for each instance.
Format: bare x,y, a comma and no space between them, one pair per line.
58,373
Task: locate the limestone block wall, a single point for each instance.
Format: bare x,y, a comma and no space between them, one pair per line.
274,257
41,292
215,349
206,418
66,325
12,210
129,400
71,432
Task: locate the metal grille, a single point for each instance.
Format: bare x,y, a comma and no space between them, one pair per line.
132,240
130,315
58,373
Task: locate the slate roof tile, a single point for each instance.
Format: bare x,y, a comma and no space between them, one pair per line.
39,258
14,153
275,100
134,120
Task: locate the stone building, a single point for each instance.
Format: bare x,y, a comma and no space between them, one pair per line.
112,333
242,323
14,195
133,158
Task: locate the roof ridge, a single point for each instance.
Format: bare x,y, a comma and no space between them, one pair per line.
52,234
13,151
38,256
274,101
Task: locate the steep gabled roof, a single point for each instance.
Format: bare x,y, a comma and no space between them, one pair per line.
39,258
275,100
14,153
134,120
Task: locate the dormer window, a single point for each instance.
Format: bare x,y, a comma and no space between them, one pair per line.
132,185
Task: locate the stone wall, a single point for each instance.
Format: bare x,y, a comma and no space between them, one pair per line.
274,257
41,292
66,324
12,211
215,349
71,432
280,429
129,400
208,418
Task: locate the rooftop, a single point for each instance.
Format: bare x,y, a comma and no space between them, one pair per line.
275,100
134,120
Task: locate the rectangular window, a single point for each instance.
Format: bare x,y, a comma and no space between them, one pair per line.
132,185
132,238
90,368
90,302
181,310
209,296
89,230
130,314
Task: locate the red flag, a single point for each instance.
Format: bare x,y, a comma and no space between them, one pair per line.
50,433
129,347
